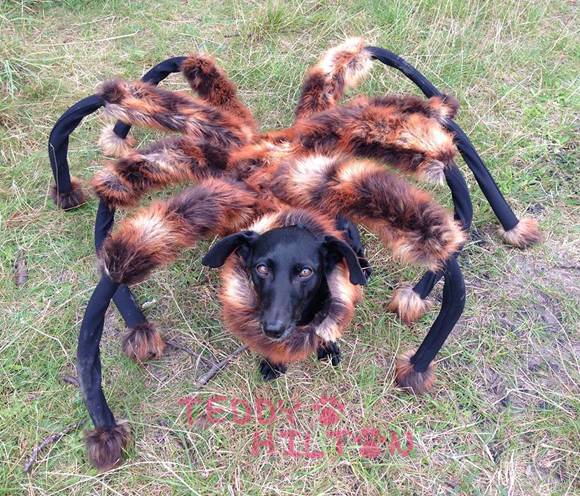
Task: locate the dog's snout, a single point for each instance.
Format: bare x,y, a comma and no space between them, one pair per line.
274,329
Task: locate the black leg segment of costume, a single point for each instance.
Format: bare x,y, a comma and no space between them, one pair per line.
123,298
463,212
88,356
488,186
354,240
451,310
58,143
484,179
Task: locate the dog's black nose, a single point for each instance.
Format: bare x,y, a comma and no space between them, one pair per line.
274,329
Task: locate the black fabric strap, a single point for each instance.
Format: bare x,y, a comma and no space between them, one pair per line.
486,182
88,356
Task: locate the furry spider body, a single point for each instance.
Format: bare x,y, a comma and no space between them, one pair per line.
329,166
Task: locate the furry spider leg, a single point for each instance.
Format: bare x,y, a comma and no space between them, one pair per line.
211,83
410,303
204,77
153,237
142,104
174,160
339,68
413,226
405,132
521,233
141,341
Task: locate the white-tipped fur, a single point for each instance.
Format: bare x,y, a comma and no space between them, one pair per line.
341,290
435,174
526,233
408,305
113,145
349,56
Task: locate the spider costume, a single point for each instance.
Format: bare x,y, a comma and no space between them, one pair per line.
324,174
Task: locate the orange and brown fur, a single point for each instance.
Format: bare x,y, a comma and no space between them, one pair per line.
339,68
311,165
241,308
329,163
212,85
105,446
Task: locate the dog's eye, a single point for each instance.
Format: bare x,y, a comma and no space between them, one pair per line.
262,270
305,272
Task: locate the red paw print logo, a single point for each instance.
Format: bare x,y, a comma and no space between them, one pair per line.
370,441
329,409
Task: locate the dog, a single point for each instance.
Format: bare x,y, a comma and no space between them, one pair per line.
289,267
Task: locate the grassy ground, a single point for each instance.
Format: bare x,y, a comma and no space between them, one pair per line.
503,418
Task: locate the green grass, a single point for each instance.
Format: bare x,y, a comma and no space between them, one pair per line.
503,418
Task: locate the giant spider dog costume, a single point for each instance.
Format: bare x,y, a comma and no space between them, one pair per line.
318,176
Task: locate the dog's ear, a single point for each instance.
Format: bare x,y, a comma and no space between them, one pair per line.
336,249
219,252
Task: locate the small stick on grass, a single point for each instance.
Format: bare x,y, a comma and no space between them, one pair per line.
47,441
70,379
198,356
216,369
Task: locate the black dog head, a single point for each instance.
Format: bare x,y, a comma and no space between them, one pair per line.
288,266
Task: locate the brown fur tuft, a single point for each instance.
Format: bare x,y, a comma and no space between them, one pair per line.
105,446
409,379
444,107
114,91
525,234
339,68
211,83
113,145
111,187
408,305
73,199
143,342
349,59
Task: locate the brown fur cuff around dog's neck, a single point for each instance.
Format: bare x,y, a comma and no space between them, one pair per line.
71,199
240,305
